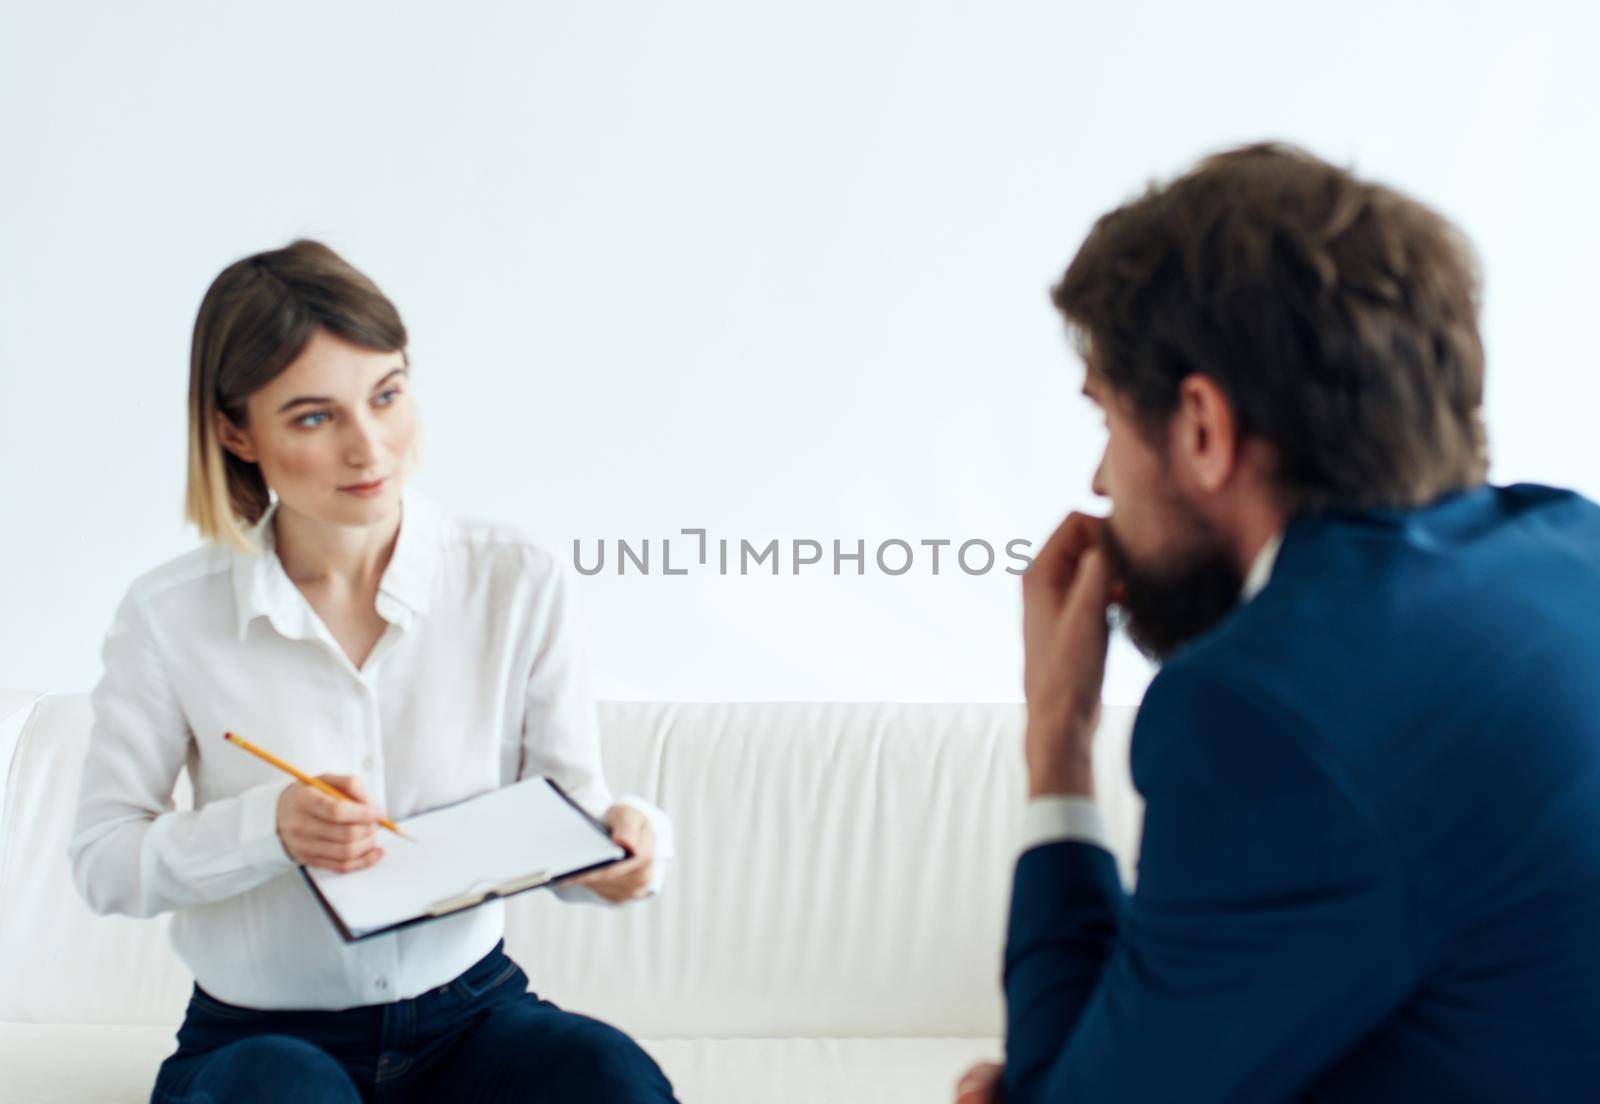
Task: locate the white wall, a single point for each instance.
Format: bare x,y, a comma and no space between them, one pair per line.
775,271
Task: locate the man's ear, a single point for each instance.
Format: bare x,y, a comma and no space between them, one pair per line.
1205,433
234,439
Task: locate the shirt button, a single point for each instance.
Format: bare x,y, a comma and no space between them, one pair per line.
367,763
383,983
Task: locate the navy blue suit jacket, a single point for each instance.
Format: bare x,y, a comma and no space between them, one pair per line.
1370,868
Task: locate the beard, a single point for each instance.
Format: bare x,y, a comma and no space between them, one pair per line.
1166,605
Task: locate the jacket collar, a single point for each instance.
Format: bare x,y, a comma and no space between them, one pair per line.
261,588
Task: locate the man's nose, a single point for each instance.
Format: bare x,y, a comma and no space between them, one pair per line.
1098,483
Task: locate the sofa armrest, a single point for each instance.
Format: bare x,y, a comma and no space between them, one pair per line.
16,706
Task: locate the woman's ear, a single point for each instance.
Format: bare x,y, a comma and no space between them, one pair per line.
234,439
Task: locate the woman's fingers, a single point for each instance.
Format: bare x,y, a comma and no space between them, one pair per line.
340,811
308,825
338,856
333,851
621,882
325,832
330,832
628,825
346,783
332,861
628,879
615,872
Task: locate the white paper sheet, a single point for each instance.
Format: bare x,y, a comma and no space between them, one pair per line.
495,839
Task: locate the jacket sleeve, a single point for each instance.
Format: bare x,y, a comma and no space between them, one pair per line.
132,852
561,733
1267,934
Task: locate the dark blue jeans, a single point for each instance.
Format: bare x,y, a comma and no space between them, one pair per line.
481,1036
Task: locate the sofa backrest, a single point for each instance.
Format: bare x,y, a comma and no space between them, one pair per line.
843,870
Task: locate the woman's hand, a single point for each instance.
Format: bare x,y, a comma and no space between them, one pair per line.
319,830
629,878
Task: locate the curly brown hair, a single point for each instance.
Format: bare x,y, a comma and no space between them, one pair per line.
1339,317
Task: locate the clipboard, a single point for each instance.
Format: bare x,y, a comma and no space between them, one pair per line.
492,846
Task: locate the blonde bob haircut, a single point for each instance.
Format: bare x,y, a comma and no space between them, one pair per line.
255,319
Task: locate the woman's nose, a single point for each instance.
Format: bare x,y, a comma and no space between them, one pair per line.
360,443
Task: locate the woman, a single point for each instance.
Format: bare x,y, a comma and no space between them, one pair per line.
349,626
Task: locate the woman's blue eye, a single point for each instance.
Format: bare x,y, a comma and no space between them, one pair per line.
317,417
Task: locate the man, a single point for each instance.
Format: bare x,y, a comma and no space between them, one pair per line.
1370,867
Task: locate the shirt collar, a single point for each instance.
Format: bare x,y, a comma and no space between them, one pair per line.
261,588
1261,569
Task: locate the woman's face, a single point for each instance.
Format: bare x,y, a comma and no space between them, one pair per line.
334,432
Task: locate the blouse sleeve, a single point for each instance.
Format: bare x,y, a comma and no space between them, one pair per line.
561,734
132,852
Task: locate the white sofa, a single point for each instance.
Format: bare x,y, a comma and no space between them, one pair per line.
831,930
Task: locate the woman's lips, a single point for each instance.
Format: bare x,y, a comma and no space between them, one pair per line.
364,490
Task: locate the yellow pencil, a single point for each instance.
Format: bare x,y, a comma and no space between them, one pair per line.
331,791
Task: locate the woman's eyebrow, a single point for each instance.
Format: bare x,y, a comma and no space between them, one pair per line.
324,399
389,376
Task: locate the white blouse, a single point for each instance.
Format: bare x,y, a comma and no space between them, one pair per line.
478,681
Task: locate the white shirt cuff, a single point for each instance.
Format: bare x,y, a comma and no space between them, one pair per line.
258,826
1055,818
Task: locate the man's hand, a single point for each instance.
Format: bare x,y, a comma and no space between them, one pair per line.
980,1084
1065,595
629,878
